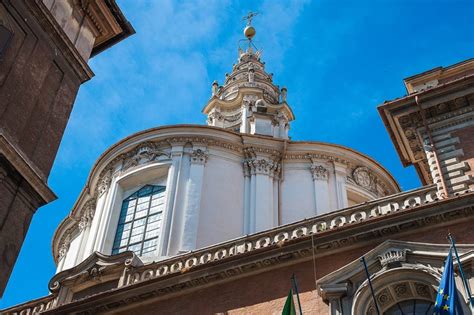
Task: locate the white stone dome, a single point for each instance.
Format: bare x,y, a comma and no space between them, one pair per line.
217,185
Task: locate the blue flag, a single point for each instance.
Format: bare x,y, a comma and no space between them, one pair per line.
446,299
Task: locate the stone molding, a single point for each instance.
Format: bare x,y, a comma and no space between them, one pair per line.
93,268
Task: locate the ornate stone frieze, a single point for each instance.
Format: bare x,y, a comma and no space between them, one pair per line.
319,172
315,156
199,157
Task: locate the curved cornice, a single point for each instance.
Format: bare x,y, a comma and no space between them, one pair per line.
210,136
236,102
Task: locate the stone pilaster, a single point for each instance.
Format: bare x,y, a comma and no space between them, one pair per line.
321,188
172,184
262,213
340,177
192,206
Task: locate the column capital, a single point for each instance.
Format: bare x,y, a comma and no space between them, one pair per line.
262,166
199,156
319,172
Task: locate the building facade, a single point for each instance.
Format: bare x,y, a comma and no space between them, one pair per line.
44,49
216,219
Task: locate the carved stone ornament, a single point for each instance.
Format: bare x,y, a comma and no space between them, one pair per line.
363,177
142,154
199,157
262,166
104,181
216,115
393,255
319,172
97,267
64,247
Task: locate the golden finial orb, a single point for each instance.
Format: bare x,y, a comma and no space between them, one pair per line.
249,32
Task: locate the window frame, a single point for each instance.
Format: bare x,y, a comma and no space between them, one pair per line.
148,192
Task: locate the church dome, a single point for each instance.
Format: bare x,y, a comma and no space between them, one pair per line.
174,189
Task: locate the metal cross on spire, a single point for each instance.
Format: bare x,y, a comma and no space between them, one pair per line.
249,17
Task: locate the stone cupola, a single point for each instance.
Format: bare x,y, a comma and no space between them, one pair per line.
249,102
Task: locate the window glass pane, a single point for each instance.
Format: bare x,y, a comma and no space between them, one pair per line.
143,200
158,195
156,209
140,221
152,233
153,225
153,218
138,230
136,238
135,247
156,202
141,214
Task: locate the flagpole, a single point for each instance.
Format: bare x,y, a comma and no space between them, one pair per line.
463,277
370,284
293,278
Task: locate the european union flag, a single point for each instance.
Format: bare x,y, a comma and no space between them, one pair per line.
446,300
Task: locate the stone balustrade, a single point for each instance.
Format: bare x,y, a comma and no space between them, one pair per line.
34,307
276,237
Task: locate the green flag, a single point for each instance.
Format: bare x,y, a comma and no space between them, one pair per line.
289,308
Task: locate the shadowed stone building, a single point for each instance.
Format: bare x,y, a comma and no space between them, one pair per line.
215,219
44,50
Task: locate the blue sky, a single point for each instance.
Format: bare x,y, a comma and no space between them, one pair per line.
338,59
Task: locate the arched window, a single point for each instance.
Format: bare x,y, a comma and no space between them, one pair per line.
140,221
411,307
